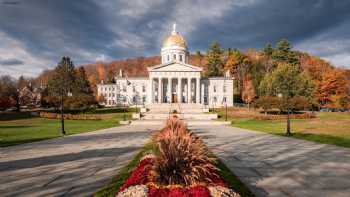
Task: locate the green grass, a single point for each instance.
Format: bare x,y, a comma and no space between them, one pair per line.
111,189
233,180
328,127
29,129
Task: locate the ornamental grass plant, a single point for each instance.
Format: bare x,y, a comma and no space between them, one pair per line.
183,158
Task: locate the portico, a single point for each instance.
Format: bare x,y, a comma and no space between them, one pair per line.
175,82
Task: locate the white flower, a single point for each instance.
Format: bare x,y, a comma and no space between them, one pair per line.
148,156
134,191
219,191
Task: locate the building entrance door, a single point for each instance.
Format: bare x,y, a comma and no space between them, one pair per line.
174,98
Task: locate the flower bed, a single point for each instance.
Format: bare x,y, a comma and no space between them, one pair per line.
52,115
182,167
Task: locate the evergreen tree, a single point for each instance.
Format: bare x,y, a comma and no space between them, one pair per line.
284,53
268,50
82,85
63,78
214,59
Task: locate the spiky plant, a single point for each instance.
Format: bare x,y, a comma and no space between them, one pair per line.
183,157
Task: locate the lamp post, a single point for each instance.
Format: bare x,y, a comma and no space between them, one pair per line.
288,132
62,111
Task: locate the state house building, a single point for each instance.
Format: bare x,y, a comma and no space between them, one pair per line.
172,81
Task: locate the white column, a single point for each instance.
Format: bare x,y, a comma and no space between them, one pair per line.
159,89
150,90
197,90
179,92
202,94
169,90
188,90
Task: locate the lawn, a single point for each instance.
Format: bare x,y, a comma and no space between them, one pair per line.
328,127
27,128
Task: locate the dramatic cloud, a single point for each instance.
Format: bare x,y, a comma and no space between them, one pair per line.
34,34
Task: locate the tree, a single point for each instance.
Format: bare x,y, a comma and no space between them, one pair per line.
248,93
82,84
268,50
284,53
214,59
62,83
286,81
9,93
110,76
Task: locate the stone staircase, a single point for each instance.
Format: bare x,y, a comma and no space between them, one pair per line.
187,111
192,114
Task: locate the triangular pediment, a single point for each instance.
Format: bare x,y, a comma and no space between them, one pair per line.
175,67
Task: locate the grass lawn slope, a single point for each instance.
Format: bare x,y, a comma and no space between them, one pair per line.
24,128
327,127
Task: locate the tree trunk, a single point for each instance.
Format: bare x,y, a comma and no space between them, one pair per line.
288,133
62,117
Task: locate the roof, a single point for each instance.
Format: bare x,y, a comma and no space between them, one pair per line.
174,66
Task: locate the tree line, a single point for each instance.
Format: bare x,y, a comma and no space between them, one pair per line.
280,73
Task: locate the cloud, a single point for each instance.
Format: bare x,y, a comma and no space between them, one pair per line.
11,62
117,29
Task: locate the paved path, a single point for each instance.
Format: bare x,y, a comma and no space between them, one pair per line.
278,166
75,165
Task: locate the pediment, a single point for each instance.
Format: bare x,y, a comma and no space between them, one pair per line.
175,67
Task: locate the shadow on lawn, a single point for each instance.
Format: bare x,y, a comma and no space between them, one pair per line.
325,139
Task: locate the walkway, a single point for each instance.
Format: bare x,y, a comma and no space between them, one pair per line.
75,165
278,166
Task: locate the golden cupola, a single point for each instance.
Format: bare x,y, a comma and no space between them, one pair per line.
175,39
174,48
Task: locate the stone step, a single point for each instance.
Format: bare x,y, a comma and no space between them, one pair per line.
188,122
186,116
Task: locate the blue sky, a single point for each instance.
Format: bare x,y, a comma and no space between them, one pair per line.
34,34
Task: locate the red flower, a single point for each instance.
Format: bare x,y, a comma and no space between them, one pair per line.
139,175
155,192
177,192
198,191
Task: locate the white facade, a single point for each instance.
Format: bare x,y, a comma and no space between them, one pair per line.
173,81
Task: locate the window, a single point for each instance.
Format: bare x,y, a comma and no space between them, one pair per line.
214,88
113,89
105,88
168,57
214,99
143,88
224,88
224,99
174,57
134,99
109,88
133,89
124,88
180,58
144,99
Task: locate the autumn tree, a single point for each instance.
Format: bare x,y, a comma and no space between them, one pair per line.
248,93
214,60
9,94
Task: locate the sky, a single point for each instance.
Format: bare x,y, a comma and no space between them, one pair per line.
35,34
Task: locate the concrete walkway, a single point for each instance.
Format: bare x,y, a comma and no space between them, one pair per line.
75,165
279,166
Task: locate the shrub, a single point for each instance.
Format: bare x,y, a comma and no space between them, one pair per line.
183,157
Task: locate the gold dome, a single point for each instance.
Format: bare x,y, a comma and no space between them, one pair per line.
175,40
